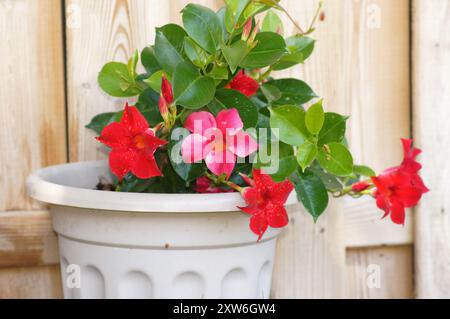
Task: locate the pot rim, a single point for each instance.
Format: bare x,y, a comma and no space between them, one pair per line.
41,188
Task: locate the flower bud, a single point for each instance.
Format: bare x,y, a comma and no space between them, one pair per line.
247,29
360,187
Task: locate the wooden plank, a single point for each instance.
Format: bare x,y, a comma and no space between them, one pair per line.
310,259
98,32
30,283
365,228
32,112
380,273
27,239
431,61
357,74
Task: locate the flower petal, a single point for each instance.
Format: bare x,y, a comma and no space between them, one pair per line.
277,216
244,83
220,163
242,144
263,182
229,122
259,225
145,166
193,148
121,161
200,122
134,121
116,136
398,213
281,192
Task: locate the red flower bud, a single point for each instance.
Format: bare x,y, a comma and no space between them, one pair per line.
360,187
247,29
166,90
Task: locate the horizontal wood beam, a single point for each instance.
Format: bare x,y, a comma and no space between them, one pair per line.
27,238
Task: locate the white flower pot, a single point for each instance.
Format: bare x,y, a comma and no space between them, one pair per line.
127,245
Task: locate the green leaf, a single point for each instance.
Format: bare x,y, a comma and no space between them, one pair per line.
169,45
219,72
196,54
99,122
149,60
336,159
269,49
276,159
148,105
311,192
271,92
132,65
188,172
203,25
190,88
290,122
315,117
116,80
299,49
235,54
364,171
330,181
272,23
333,129
155,80
235,9
306,154
293,92
248,111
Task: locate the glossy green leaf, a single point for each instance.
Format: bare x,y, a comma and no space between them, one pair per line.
148,105
330,181
219,72
203,25
195,53
235,54
99,122
293,92
276,159
299,49
333,129
169,46
116,80
155,80
315,117
271,92
272,23
311,192
233,99
190,88
269,49
149,60
288,124
365,171
336,159
306,154
235,9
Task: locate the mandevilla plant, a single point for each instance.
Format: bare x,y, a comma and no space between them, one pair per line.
209,118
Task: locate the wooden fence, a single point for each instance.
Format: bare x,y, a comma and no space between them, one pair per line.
384,62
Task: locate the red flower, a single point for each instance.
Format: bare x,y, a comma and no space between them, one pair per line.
205,186
400,187
133,146
266,200
244,84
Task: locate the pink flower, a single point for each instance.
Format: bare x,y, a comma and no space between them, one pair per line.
218,141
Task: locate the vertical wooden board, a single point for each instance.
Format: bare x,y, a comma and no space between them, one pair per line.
380,273
99,32
30,283
310,259
359,75
431,94
32,109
